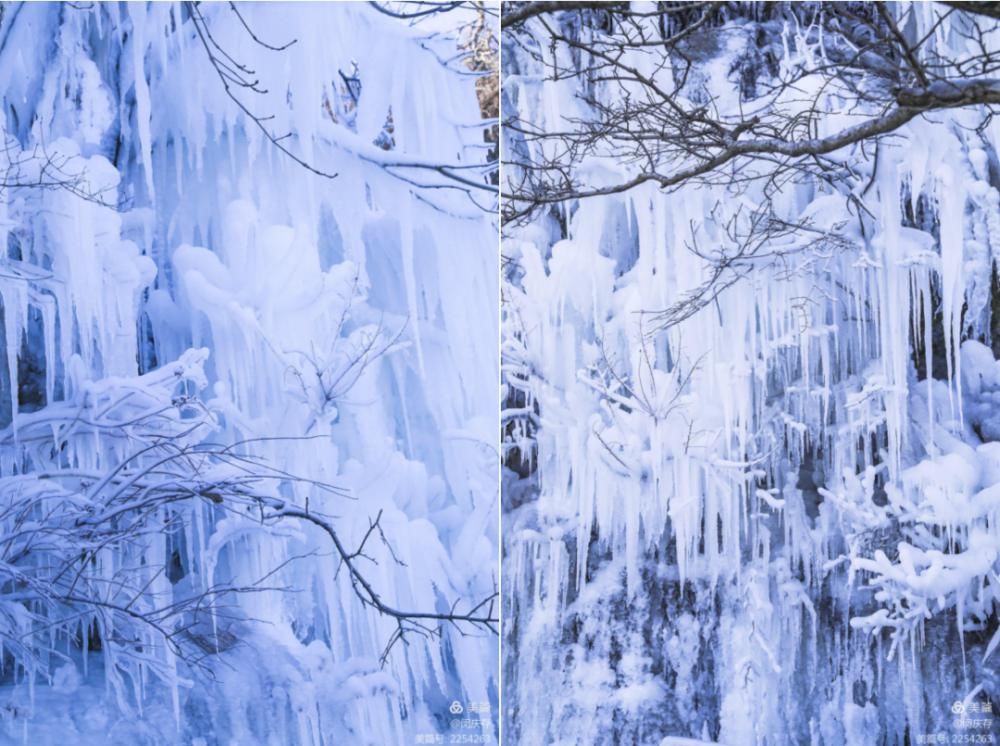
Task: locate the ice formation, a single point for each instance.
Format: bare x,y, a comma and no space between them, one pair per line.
197,318
776,520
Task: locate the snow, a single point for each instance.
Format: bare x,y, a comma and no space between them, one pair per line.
188,293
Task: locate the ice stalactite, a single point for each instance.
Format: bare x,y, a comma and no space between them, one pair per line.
754,504
188,294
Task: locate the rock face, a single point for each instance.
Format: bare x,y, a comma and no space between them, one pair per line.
771,519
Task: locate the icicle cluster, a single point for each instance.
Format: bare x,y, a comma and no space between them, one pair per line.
775,520
334,330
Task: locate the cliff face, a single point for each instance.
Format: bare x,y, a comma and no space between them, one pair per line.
751,493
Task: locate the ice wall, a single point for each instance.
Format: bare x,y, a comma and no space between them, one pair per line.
347,328
774,520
